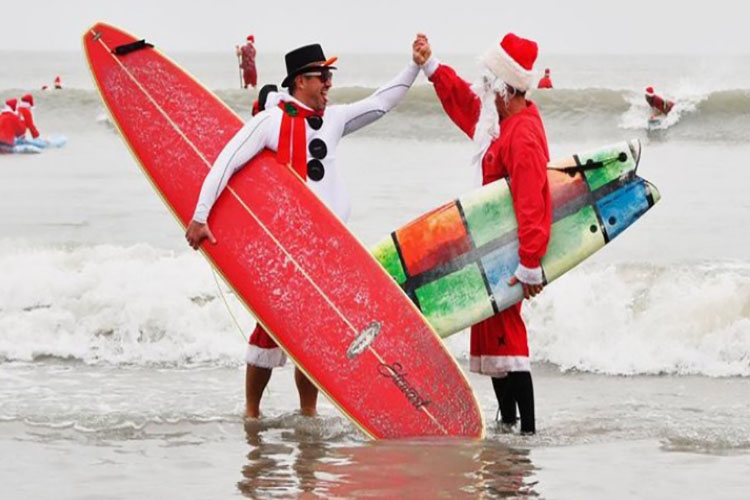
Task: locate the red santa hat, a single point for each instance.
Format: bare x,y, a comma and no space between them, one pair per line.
251,38
650,90
28,100
512,60
12,104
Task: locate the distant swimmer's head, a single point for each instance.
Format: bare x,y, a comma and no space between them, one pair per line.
11,105
309,75
27,100
511,64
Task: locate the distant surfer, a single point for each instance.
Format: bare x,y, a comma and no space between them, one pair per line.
546,81
246,55
659,106
300,117
25,110
511,143
11,125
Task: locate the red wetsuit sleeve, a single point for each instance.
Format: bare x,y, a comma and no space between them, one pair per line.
460,102
28,120
20,126
527,168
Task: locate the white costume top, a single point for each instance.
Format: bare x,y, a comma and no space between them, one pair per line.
263,130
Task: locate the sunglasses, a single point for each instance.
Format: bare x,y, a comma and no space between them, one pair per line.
323,75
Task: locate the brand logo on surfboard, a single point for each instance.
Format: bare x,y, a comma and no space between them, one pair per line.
364,339
396,373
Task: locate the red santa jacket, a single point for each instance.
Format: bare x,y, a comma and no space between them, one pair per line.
520,153
248,56
659,104
28,118
545,83
11,126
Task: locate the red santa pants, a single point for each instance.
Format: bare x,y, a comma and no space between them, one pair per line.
499,344
250,75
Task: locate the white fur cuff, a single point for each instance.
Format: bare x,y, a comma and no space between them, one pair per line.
530,276
430,66
265,358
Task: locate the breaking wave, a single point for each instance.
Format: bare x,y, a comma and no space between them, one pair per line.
140,305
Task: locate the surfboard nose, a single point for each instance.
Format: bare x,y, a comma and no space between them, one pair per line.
654,194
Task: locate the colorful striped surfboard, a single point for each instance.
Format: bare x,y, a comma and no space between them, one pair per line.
454,262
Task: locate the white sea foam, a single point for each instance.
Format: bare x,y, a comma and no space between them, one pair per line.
143,306
112,304
646,319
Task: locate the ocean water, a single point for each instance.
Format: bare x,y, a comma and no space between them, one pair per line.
121,368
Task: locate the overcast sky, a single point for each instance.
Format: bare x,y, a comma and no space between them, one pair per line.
458,26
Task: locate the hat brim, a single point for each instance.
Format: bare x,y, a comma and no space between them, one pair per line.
327,64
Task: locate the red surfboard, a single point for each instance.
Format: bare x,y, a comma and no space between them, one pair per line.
299,271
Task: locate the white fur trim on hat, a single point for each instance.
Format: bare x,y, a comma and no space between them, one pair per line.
504,67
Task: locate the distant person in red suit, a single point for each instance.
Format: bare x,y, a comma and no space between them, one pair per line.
659,105
11,125
545,82
25,110
246,53
58,82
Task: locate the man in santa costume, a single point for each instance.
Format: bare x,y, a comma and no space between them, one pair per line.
304,132
11,125
659,105
25,110
546,81
511,144
246,54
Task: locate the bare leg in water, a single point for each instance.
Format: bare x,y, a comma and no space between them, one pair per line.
256,380
308,394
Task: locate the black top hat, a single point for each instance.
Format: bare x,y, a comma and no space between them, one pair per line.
305,59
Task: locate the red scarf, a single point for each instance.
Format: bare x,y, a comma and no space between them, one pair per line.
293,137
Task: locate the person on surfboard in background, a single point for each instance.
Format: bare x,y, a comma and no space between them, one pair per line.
11,125
511,143
25,110
546,81
659,105
304,132
246,55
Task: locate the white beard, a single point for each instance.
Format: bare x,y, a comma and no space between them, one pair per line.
488,125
